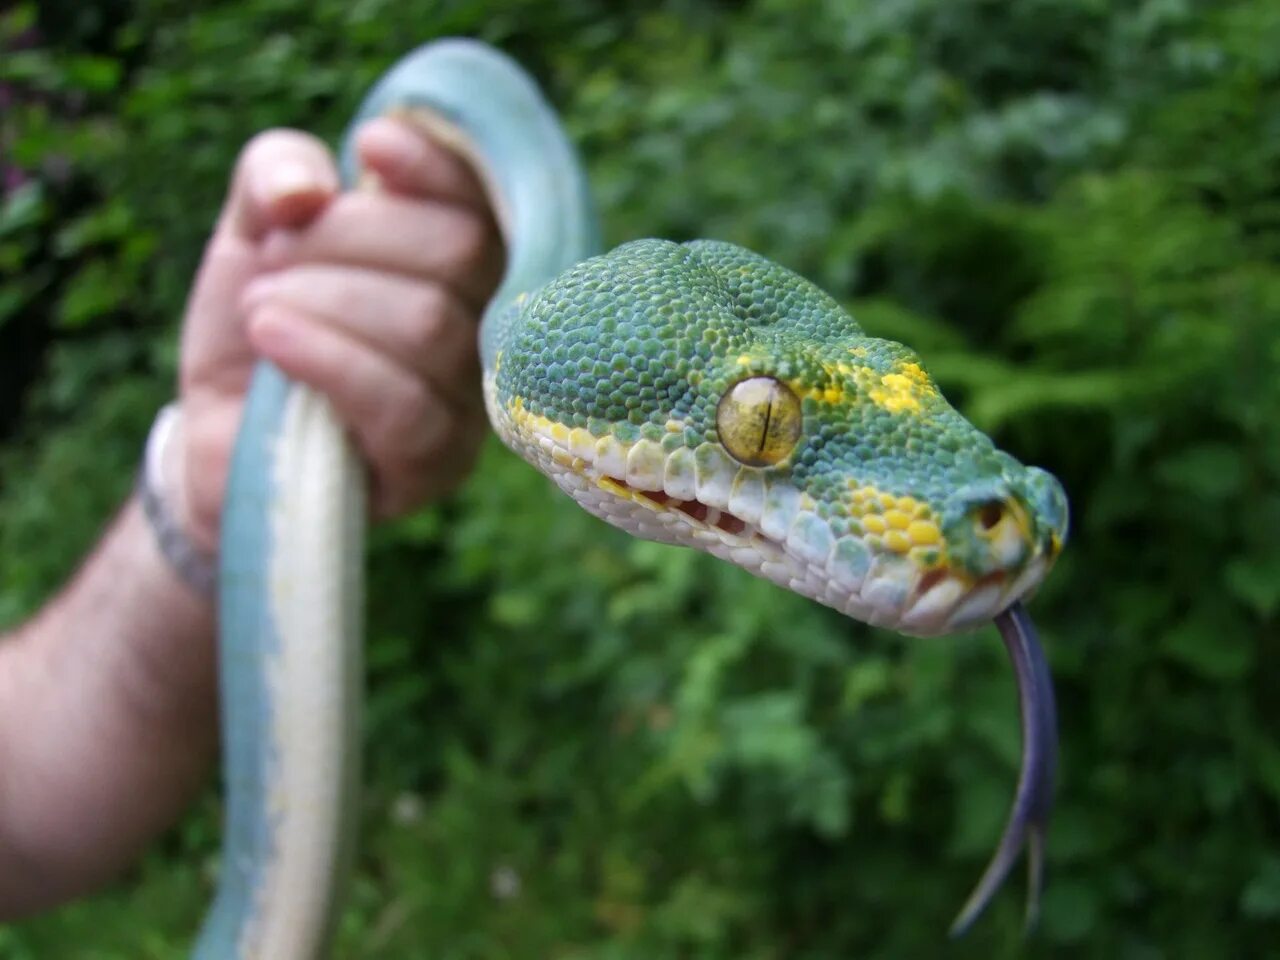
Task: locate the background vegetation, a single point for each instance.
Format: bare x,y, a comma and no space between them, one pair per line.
584,746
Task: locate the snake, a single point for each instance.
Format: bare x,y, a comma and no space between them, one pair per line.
695,394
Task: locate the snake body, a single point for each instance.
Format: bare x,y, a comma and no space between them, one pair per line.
695,394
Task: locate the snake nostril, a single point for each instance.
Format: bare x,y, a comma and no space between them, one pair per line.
990,514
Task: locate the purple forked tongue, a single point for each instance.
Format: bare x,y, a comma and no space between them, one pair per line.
1029,818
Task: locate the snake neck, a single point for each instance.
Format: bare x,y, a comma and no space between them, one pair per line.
484,107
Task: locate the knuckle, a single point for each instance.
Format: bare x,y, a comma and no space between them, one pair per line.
471,242
430,320
403,418
418,472
409,490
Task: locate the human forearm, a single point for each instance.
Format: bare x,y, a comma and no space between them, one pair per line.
107,699
107,719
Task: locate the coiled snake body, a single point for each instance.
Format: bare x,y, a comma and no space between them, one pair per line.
694,394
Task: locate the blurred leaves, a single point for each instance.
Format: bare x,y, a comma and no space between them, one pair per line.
585,746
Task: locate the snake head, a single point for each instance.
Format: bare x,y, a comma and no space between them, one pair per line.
700,394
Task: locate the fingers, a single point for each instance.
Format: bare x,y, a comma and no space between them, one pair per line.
368,296
452,245
421,324
282,179
409,162
417,443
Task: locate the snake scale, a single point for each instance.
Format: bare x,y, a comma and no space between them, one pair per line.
694,394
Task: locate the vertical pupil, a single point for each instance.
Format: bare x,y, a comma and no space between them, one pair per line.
764,429
758,421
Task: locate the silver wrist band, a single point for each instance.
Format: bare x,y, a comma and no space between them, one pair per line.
196,567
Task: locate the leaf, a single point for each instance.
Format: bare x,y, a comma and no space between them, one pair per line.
1209,471
1261,898
111,221
22,208
95,291
93,74
1255,582
768,730
1212,643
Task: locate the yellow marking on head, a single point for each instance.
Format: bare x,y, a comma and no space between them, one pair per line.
745,360
897,519
903,390
868,496
912,507
898,522
833,388
925,533
897,541
932,558
840,368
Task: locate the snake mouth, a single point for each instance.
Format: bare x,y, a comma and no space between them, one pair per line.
888,590
695,510
701,497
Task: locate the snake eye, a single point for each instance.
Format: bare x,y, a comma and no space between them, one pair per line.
759,421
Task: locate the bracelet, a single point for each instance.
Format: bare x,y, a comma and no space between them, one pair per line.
195,566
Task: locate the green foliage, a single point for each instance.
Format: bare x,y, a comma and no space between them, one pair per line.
585,746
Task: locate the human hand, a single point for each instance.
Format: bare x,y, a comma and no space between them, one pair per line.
371,297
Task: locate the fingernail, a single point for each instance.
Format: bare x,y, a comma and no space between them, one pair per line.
289,178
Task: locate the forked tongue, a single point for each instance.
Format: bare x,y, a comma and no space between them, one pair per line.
1029,818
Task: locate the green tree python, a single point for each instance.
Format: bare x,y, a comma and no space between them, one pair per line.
694,394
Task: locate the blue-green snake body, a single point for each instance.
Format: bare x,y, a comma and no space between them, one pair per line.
695,394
